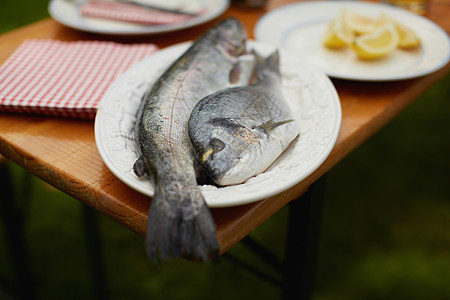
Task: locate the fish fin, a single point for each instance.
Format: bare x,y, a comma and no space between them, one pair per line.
243,70
139,167
258,57
181,225
270,125
271,62
235,73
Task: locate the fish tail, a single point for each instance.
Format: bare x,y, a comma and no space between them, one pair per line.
181,225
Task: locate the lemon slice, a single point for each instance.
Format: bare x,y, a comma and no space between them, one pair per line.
358,23
376,44
407,39
337,34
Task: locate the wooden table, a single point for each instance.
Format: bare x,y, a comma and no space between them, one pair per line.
63,152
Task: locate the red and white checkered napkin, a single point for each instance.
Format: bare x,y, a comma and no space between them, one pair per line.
64,78
130,13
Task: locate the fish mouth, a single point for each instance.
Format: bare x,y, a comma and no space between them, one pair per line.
235,48
227,163
241,47
236,174
215,168
230,171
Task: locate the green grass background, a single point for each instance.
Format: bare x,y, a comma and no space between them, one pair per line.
385,227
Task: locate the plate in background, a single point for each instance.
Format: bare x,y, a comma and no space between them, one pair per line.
299,28
67,12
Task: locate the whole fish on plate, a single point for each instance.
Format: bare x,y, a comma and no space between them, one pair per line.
179,221
240,131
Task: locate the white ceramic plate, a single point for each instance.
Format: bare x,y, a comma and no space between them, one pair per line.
310,93
67,12
299,28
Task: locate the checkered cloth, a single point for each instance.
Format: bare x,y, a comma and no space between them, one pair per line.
130,13
64,78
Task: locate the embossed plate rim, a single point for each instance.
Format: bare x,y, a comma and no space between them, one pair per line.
318,111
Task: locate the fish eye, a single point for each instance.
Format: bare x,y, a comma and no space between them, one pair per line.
217,145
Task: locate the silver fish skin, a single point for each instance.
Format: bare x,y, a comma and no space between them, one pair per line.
179,221
239,132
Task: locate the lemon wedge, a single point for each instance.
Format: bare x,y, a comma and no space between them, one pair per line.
376,44
337,34
358,23
369,38
407,39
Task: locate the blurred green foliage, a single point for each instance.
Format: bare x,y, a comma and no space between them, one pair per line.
385,229
387,213
15,13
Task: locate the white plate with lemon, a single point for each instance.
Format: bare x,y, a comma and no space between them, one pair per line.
357,40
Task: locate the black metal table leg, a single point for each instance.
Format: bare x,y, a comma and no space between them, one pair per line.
14,222
302,243
93,240
298,268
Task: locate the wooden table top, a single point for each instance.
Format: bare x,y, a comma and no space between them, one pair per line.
63,152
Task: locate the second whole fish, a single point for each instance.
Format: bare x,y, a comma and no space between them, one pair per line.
239,132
